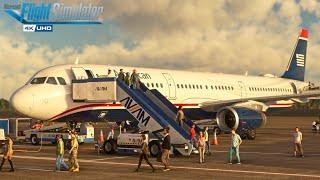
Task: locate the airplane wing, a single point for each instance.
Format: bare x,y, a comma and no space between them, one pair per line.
216,105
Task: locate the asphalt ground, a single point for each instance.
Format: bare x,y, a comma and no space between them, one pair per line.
269,156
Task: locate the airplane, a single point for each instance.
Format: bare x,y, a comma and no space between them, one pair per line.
233,100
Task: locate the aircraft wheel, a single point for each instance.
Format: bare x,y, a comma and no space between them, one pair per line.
34,139
154,148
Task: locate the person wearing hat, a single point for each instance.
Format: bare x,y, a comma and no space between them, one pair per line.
8,153
60,154
73,153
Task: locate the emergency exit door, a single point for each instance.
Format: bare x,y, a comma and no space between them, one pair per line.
242,88
171,86
79,73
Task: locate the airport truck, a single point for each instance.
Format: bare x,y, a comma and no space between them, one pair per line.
49,133
131,142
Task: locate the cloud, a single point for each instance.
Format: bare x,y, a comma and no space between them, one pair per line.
212,36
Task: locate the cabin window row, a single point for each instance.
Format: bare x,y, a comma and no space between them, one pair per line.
193,86
269,89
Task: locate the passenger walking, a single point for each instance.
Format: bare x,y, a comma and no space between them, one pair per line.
166,145
180,116
193,136
8,153
235,144
201,147
135,80
127,79
60,154
297,138
73,153
121,75
206,137
144,153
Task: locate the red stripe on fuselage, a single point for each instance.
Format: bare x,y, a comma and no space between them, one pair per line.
103,105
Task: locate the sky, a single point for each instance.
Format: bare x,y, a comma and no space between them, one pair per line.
229,36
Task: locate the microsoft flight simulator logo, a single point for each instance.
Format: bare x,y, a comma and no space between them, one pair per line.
40,16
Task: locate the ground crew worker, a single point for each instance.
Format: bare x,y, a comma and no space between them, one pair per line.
206,138
201,147
8,153
297,140
166,145
60,154
73,153
144,153
37,125
135,80
121,75
127,79
180,116
235,144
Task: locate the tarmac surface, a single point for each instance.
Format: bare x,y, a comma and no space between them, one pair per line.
267,157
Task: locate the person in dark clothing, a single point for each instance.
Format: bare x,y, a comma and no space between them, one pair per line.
121,75
166,145
127,79
144,153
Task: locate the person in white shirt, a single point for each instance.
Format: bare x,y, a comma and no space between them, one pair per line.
297,140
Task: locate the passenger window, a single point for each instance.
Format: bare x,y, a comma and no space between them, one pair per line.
39,80
178,86
151,84
200,86
61,81
148,84
197,86
51,80
181,86
185,86
161,85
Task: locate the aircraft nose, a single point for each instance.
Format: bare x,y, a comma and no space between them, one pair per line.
22,102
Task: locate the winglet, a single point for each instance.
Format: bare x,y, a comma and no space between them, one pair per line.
304,33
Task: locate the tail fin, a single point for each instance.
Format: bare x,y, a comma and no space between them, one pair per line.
296,66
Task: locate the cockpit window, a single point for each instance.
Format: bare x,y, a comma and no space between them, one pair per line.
61,81
38,80
51,80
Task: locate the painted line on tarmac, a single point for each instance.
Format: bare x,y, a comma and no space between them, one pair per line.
185,167
44,170
265,153
118,157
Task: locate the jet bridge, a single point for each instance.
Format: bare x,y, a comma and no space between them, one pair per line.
149,107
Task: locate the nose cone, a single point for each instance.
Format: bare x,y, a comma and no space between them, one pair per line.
22,102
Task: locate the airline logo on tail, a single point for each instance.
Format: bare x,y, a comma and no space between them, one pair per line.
296,66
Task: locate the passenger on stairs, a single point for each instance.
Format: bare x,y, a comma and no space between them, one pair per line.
135,80
121,75
180,116
193,136
127,79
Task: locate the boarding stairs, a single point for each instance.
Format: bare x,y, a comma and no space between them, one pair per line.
149,107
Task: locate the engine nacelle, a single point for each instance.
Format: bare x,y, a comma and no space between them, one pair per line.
239,117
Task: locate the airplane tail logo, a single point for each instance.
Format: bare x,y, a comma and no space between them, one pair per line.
296,66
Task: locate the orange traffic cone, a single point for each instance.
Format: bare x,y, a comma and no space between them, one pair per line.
101,137
215,139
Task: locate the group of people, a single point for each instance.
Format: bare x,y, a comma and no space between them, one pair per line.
73,153
132,80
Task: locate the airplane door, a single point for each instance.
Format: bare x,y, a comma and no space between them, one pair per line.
243,91
171,86
79,73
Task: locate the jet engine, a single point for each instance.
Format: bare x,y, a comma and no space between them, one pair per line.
240,118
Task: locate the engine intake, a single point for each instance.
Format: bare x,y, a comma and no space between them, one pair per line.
239,117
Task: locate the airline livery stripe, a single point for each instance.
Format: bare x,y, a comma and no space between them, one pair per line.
101,106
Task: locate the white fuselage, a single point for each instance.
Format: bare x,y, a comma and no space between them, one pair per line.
45,101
